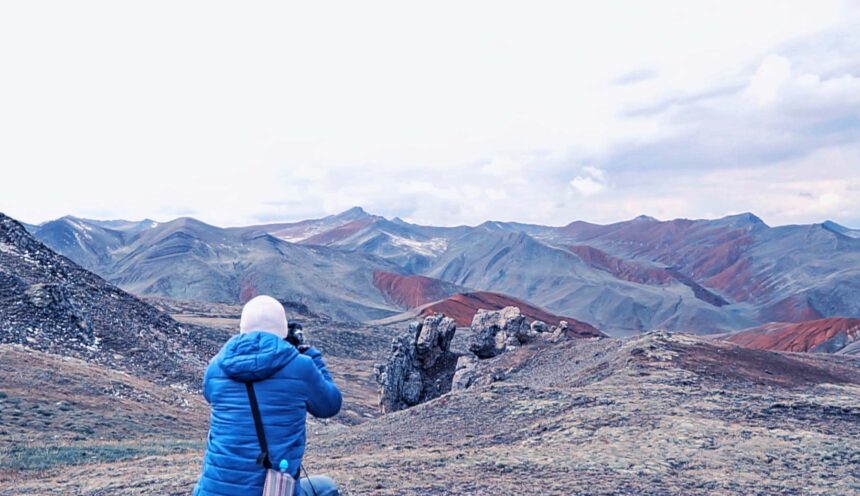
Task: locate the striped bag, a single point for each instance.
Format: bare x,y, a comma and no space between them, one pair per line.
277,483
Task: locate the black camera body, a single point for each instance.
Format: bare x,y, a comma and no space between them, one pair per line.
296,336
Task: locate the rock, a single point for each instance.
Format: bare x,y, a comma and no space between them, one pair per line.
539,326
496,331
559,332
420,365
464,374
433,338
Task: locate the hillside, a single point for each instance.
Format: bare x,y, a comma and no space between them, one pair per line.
410,291
57,412
833,335
658,414
50,304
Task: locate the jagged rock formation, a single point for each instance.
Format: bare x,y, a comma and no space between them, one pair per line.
49,304
496,331
420,366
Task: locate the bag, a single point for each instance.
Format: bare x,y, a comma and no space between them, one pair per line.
277,483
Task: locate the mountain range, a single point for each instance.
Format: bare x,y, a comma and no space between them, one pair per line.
702,276
99,390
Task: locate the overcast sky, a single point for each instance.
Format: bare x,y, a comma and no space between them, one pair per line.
441,113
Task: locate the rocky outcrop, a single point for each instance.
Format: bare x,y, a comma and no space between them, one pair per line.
496,331
420,365
464,373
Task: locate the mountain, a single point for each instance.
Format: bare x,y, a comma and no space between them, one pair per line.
702,276
189,259
295,232
88,243
832,335
407,246
569,283
832,226
787,273
52,305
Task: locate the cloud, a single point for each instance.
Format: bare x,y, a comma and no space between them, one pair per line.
768,79
637,76
589,184
502,166
285,119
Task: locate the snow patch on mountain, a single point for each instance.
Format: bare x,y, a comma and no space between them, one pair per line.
430,248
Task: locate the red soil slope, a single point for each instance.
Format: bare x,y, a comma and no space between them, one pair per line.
462,307
412,291
823,335
622,269
642,272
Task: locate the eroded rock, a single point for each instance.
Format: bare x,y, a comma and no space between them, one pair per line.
420,365
496,331
464,374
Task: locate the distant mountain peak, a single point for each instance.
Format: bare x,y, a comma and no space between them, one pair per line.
840,229
748,218
645,218
353,213
492,225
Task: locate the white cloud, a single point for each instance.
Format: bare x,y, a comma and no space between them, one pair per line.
502,166
586,186
283,111
768,79
591,183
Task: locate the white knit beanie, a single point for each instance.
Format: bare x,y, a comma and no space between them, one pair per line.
264,313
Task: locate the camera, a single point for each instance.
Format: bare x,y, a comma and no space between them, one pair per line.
296,336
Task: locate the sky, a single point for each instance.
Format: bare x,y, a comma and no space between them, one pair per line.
440,112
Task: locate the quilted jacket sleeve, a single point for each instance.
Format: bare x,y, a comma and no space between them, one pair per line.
324,398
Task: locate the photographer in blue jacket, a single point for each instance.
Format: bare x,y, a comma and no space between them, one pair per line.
290,380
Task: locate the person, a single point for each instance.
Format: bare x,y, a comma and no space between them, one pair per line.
288,385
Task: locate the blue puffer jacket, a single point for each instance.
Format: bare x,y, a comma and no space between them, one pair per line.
288,385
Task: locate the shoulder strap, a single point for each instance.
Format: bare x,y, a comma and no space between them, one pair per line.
263,459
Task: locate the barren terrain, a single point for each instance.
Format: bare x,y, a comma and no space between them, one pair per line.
658,414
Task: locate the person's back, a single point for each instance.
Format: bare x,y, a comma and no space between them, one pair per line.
288,384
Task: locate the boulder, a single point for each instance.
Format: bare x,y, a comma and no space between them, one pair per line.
559,332
493,332
420,365
464,374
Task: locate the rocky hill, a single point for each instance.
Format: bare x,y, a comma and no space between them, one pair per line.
50,304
